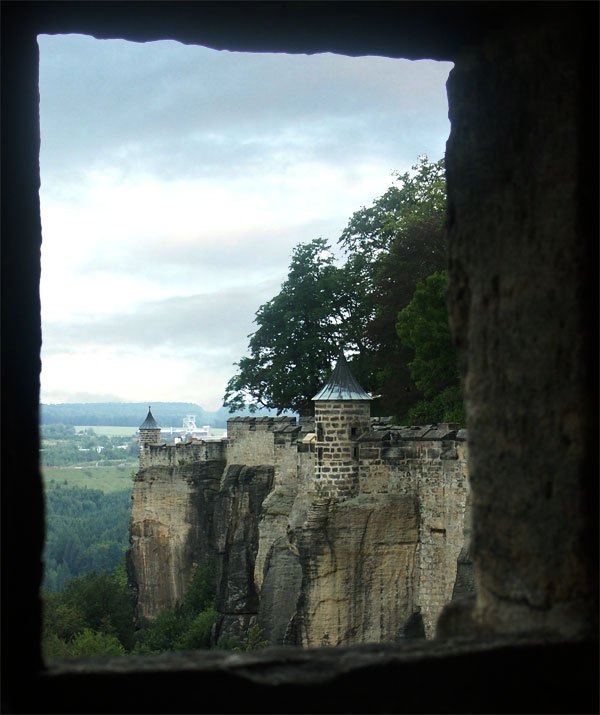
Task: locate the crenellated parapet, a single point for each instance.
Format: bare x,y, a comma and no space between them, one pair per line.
395,459
174,455
251,440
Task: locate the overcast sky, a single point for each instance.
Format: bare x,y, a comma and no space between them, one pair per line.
176,181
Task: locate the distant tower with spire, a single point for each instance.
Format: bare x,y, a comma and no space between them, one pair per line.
149,434
342,415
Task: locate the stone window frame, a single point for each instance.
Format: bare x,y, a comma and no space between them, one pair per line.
446,33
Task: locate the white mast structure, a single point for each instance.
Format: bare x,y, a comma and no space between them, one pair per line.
189,424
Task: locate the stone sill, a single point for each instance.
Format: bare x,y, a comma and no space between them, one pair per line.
276,665
490,674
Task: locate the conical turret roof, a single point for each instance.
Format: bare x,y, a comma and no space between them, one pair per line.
342,385
150,422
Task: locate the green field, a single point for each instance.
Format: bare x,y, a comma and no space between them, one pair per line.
107,479
108,430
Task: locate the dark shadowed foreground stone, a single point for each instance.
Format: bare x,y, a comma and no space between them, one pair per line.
519,306
520,674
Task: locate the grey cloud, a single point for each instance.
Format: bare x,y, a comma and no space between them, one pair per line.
209,324
198,105
249,253
59,396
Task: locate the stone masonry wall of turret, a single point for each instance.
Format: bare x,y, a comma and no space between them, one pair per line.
148,437
338,426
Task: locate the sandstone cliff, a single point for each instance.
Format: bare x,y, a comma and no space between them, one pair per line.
171,530
236,514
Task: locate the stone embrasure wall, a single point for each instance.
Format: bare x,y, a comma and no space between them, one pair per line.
313,557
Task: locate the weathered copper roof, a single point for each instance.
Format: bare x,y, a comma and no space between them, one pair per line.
342,384
150,422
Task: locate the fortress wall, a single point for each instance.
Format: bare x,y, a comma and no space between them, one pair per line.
435,469
251,441
399,532
442,488
383,469
285,455
172,455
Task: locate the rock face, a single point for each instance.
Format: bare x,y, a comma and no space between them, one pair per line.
358,560
236,515
171,530
373,561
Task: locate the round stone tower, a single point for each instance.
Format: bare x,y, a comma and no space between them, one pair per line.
342,415
149,434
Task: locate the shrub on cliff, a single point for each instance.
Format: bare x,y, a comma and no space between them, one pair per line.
197,633
186,626
201,592
93,615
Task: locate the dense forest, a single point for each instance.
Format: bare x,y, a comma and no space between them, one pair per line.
86,530
94,616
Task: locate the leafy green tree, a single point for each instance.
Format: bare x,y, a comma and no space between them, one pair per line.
392,245
255,641
187,625
55,647
298,336
93,643
92,616
197,632
166,630
228,643
60,619
84,644
200,595
104,602
423,326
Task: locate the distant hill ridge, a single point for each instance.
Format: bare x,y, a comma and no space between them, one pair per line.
167,414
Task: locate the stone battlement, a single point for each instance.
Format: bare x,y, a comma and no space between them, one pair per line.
171,455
